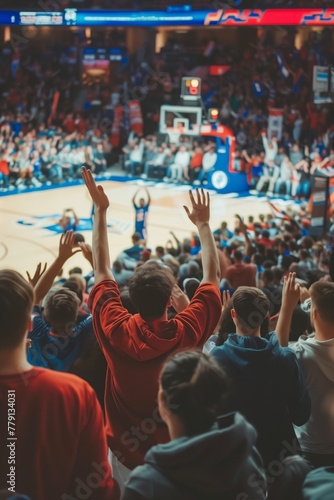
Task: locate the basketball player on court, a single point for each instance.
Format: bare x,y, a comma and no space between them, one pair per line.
141,213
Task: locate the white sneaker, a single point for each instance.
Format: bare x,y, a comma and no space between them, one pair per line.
253,191
270,193
197,183
144,176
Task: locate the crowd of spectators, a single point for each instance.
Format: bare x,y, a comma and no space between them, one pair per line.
247,406
41,145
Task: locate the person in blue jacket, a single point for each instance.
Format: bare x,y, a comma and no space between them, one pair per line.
211,455
268,385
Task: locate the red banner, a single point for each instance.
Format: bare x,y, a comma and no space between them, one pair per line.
115,138
218,70
136,117
270,17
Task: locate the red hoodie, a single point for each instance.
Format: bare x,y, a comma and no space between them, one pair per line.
135,352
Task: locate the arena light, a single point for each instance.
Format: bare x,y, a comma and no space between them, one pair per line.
191,88
213,115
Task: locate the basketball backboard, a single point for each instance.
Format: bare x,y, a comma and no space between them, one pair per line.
323,84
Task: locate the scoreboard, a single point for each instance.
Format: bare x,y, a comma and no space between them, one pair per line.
221,17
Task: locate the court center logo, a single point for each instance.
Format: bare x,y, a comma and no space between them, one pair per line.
219,179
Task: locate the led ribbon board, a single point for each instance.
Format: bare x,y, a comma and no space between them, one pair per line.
221,17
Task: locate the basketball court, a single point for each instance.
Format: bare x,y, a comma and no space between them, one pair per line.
30,231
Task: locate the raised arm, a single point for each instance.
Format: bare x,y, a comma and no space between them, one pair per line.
200,216
101,259
148,196
134,197
76,218
46,280
290,298
243,230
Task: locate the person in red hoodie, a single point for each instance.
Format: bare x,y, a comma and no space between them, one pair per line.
52,435
135,346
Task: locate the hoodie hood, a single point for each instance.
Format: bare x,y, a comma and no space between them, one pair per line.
210,462
251,354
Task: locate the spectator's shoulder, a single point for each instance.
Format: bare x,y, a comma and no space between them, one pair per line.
103,291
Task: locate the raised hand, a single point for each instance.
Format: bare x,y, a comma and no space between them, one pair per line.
66,246
291,292
86,251
242,225
100,199
180,300
226,299
38,273
200,213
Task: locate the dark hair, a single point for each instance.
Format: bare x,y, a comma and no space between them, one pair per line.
195,389
303,253
238,255
127,302
268,264
79,238
258,259
160,249
61,309
289,483
136,237
251,306
117,266
268,276
16,301
72,285
150,289
322,297
278,274
75,270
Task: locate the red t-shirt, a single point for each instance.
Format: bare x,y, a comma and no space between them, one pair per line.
196,160
60,446
4,167
241,275
135,352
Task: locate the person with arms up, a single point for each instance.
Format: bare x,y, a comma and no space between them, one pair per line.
268,386
135,346
57,341
61,449
316,357
68,222
141,211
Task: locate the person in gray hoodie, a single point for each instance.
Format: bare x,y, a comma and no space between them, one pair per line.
316,357
211,455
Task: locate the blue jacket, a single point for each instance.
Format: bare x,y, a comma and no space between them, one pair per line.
268,388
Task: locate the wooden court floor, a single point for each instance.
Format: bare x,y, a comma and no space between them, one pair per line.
28,220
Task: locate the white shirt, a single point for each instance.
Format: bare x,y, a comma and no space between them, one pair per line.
285,172
270,153
182,158
317,361
209,161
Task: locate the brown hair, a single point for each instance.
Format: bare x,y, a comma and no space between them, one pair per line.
61,309
251,306
195,389
16,301
322,297
150,289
